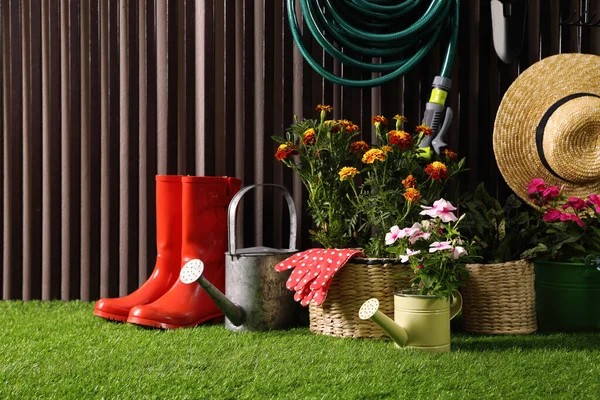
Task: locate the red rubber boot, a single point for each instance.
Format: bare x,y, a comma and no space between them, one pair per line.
168,255
204,236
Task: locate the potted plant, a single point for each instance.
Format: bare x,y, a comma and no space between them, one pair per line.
356,190
437,254
500,296
566,258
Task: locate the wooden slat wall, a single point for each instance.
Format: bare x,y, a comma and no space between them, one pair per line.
99,96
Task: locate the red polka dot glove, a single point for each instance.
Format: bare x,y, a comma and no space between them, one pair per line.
313,271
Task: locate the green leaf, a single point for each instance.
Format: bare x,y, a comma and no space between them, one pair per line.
278,139
541,248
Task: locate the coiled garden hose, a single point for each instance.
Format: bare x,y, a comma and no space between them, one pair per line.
376,30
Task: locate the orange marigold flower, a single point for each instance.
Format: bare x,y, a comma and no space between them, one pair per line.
286,150
450,154
359,147
437,170
372,155
412,195
403,139
400,118
347,173
335,127
409,182
427,131
387,149
379,119
309,137
323,107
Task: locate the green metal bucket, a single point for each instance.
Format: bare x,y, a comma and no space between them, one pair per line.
568,295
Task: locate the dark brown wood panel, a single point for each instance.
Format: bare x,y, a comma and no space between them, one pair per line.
253,82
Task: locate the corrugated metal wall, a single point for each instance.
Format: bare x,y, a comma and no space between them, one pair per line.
99,96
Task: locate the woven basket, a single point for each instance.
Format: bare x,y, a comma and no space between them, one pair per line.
500,299
359,280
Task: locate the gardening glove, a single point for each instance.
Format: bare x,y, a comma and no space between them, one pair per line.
306,269
313,272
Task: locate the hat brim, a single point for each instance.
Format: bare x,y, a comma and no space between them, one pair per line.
523,106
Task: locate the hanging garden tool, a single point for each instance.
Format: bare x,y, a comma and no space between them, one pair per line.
366,30
508,27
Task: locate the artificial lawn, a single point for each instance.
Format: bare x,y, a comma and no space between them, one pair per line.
60,350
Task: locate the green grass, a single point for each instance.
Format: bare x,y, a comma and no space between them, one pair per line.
60,350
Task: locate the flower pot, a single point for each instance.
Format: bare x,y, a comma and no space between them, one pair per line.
567,296
359,280
426,319
500,299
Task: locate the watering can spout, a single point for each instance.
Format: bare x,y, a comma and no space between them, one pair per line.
192,272
370,310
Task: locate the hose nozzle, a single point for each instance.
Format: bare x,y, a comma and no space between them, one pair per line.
437,116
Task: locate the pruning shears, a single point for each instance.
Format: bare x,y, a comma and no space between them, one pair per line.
437,116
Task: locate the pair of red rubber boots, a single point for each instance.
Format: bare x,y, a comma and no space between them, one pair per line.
191,222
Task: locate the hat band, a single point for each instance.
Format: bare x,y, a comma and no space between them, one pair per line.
539,133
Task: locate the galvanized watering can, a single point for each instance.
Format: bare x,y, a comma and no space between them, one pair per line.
256,298
421,322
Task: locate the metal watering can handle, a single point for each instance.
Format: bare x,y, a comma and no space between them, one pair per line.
232,211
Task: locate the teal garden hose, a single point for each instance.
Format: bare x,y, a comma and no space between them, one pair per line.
377,30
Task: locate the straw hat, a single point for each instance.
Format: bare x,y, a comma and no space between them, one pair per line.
548,126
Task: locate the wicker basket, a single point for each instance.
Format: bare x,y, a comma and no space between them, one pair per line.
359,280
500,299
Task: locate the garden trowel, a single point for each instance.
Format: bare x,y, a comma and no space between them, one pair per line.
508,26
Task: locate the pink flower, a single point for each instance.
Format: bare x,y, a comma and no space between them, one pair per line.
575,203
419,235
459,251
552,215
392,235
412,230
409,253
551,192
420,266
536,185
442,209
437,246
396,233
594,200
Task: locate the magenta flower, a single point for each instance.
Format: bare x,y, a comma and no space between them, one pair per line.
409,253
437,246
575,203
577,220
551,192
594,200
459,251
420,266
572,217
552,215
442,209
536,185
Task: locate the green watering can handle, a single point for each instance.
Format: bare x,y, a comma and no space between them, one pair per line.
456,304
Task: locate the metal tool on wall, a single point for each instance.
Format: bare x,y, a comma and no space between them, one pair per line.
508,27
255,298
